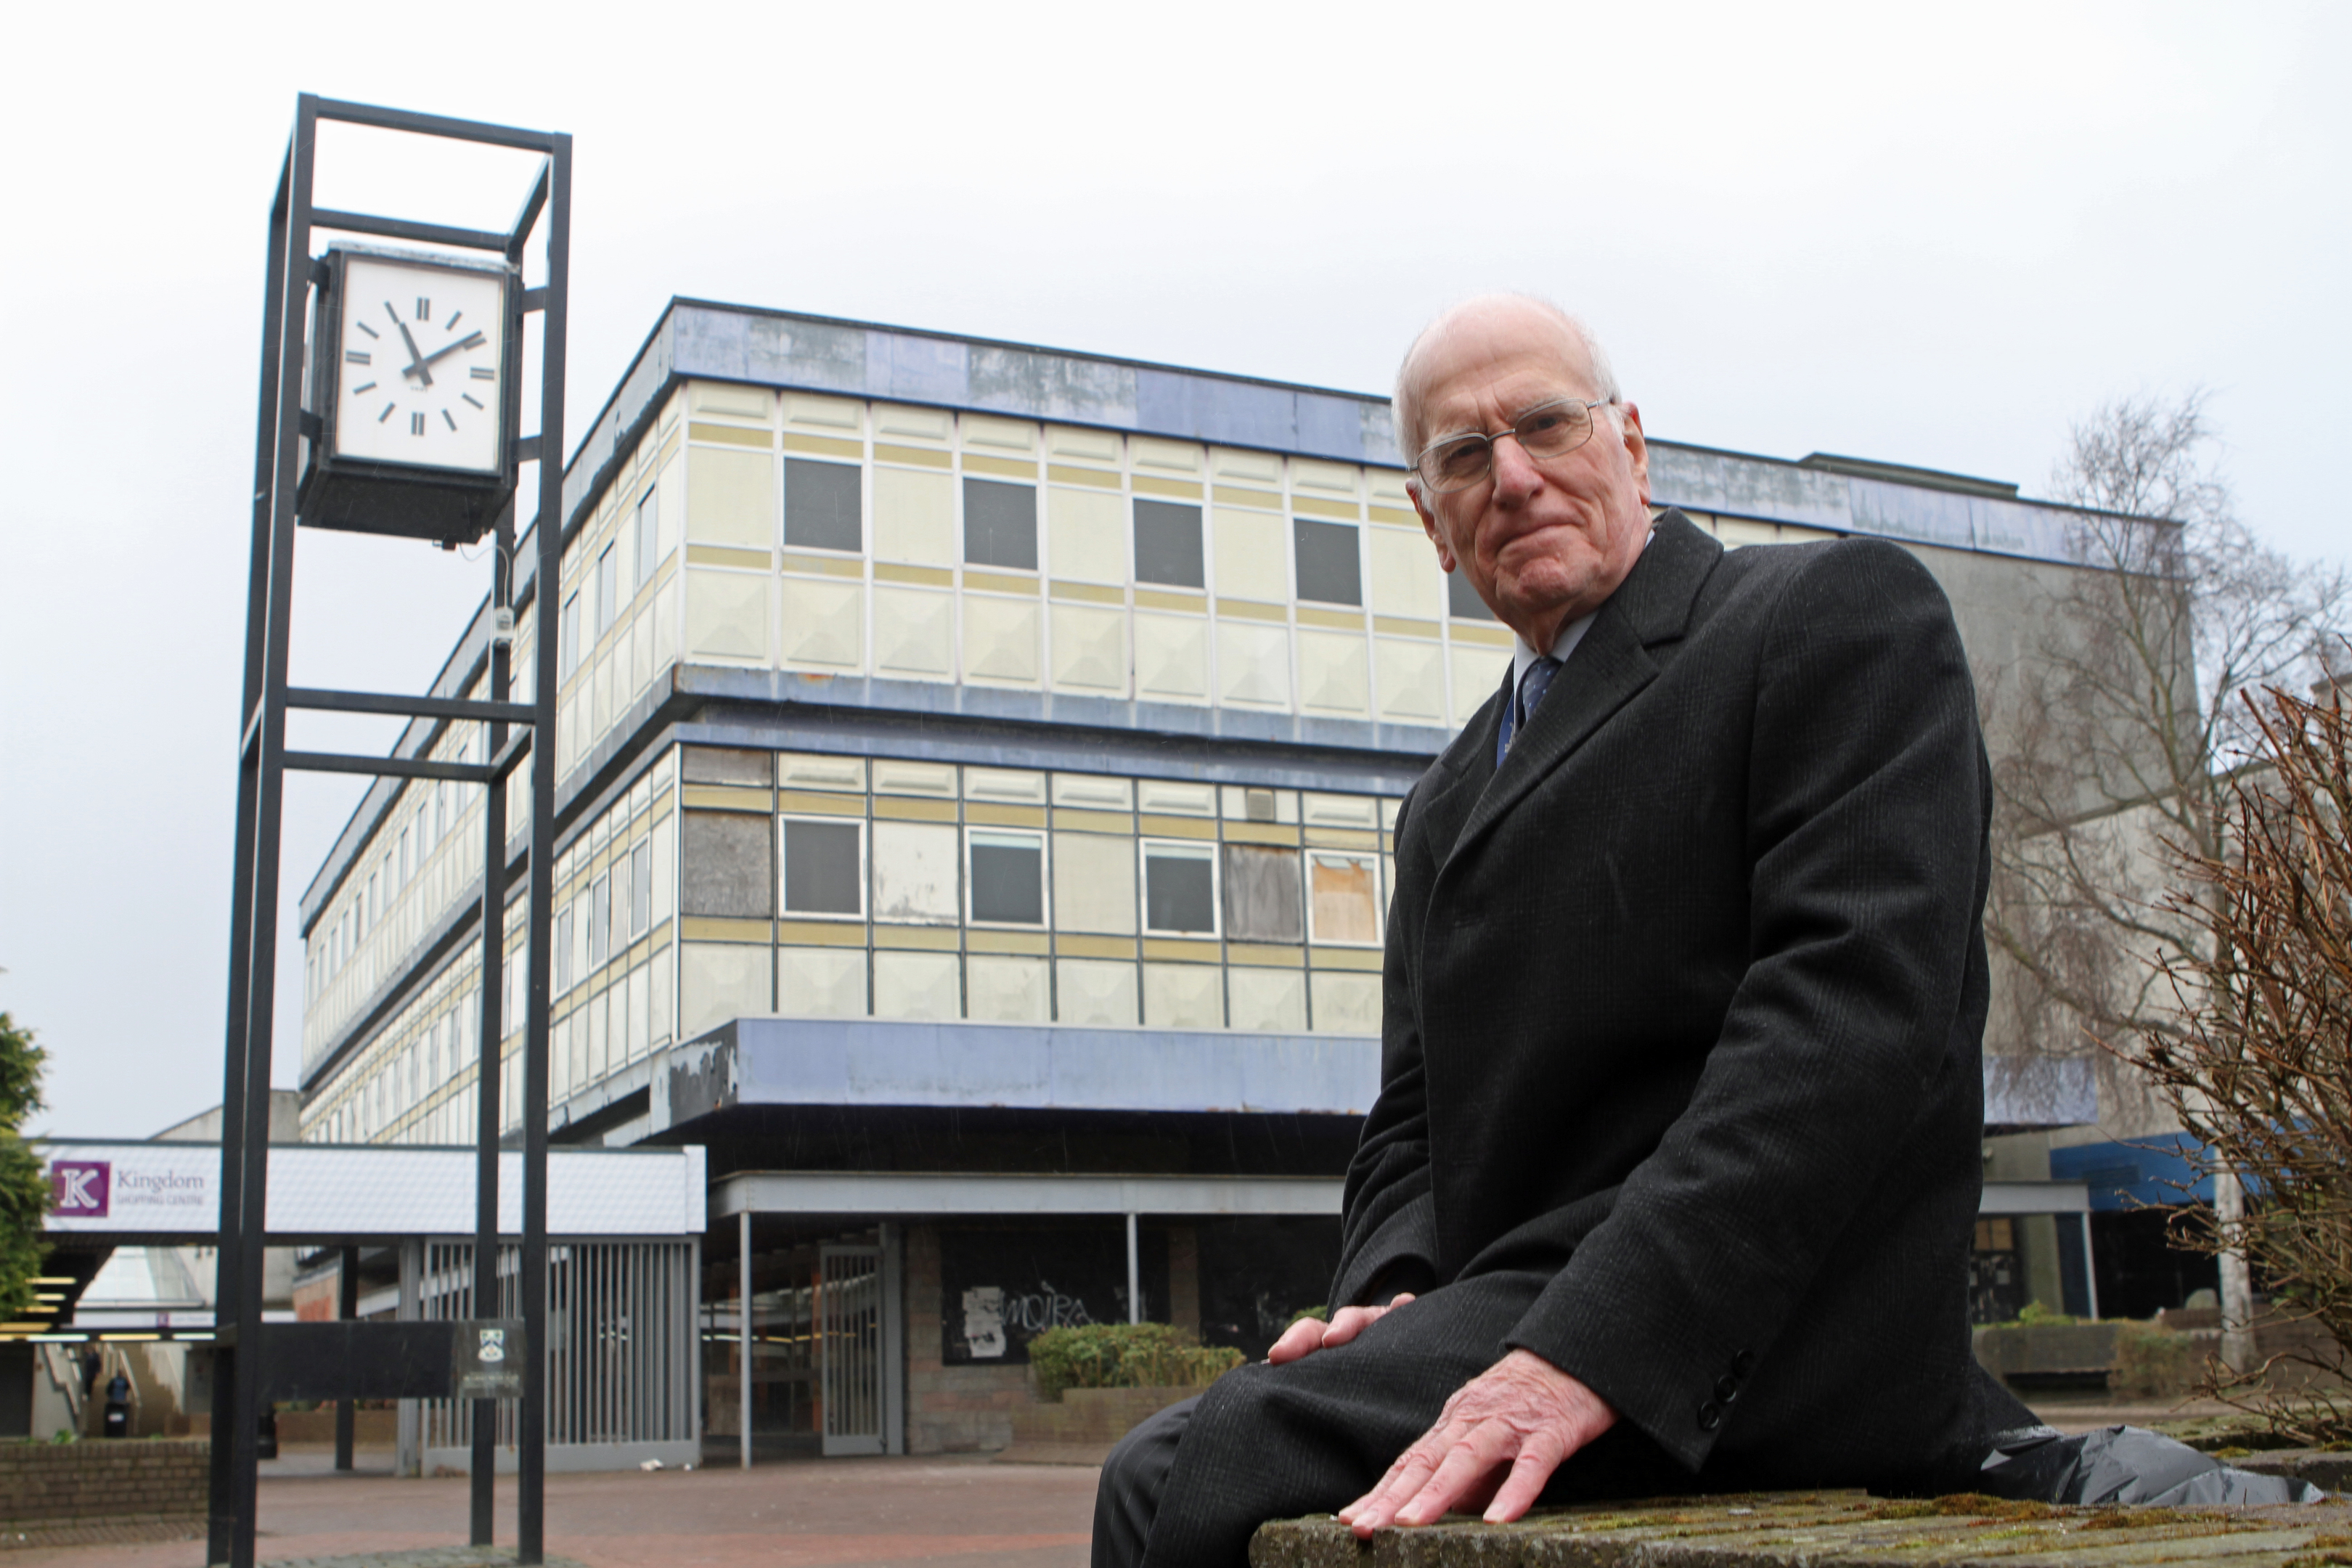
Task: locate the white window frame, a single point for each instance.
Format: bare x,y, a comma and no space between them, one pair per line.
1379,911
865,869
1193,848
1031,835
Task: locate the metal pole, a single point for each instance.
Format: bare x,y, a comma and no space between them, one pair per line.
226,1267
267,821
347,1288
1134,1277
530,1493
483,1471
2090,1268
743,1332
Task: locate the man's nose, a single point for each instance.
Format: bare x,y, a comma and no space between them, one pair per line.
1516,474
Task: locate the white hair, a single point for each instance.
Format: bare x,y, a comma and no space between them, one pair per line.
1404,402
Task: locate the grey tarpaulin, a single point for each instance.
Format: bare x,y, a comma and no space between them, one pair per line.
2124,1464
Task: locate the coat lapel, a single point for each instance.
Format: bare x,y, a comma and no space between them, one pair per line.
1609,667
1462,776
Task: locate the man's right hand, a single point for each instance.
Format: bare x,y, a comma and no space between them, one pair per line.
1311,1335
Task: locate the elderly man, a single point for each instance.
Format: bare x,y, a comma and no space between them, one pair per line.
1671,1178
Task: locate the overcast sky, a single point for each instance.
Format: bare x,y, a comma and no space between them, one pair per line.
1931,235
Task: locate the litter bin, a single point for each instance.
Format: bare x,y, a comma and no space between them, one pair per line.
118,1406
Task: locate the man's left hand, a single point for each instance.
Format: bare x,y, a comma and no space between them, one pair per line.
1498,1441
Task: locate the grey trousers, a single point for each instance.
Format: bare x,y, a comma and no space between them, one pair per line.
1189,1487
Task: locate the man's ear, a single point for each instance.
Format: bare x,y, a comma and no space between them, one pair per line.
1637,446
1429,525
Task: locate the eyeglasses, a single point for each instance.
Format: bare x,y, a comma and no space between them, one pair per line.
1547,430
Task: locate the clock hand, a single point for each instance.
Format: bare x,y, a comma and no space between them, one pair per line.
470,343
416,360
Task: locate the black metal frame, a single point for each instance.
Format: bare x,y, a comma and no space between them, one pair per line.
262,763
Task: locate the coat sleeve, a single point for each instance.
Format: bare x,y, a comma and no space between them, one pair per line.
1865,832
1388,1231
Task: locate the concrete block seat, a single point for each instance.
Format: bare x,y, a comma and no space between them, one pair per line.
1821,1529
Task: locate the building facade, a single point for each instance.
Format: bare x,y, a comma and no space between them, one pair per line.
978,768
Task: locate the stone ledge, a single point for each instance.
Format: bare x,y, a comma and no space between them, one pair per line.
1819,1528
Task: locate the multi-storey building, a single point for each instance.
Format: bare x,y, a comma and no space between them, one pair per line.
977,763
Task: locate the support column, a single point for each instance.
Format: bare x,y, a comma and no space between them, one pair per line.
2090,1268
743,1330
347,1287
1134,1276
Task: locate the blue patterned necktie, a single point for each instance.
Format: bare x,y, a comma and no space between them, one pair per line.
1532,686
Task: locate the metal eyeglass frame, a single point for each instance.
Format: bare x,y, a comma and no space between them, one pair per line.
1515,432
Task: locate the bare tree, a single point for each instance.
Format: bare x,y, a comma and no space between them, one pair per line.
2121,722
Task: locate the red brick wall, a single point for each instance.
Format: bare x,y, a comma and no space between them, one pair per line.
950,1409
102,1479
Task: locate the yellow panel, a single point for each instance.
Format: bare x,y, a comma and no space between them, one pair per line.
817,804
1262,952
1007,989
1153,825
1259,833
1253,554
733,402
914,516
1097,479
825,565
1000,639
821,934
1006,942
1095,946
1252,665
1332,478
1346,1004
1000,583
1183,997
731,498
1096,993
1087,592
918,985
1172,656
1319,506
823,624
996,813
1412,680
1151,485
1175,457
1404,627
820,983
1359,958
918,456
932,576
730,435
1183,950
885,806
726,616
1331,673
824,413
1270,999
1085,534
1343,839
1091,821
1483,634
1087,446
729,556
1389,516
1093,884
1089,648
823,445
913,632
928,937
912,424
1011,435
1236,495
979,463
727,798
1406,576
1335,620
1161,599
1226,463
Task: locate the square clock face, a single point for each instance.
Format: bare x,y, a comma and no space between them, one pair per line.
422,360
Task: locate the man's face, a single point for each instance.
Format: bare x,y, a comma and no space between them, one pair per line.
1544,541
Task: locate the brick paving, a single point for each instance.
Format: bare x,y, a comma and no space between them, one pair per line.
874,1513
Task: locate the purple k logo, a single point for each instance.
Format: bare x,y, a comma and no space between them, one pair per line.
80,1189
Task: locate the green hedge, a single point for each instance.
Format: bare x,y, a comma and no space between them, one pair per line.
1125,1355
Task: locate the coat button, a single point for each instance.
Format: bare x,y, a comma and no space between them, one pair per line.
1710,1416
1743,1364
1726,1389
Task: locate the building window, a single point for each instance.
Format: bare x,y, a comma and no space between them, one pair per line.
1167,544
1179,888
1262,894
1008,879
608,588
1344,898
823,872
821,504
600,921
1329,571
1462,600
641,888
648,539
562,953
1000,524
568,633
